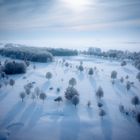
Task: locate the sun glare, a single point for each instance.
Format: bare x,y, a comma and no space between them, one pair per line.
76,4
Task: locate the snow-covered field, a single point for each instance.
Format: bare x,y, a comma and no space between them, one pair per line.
35,120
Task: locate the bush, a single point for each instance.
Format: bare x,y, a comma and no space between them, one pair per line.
58,99
123,63
72,82
14,67
70,93
75,100
99,93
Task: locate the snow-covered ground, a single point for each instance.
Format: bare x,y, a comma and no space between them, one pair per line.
35,120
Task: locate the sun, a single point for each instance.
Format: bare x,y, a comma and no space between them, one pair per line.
76,4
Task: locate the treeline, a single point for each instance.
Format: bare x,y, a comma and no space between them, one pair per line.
27,53
35,54
62,52
117,54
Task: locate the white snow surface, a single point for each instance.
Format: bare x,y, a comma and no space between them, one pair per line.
35,120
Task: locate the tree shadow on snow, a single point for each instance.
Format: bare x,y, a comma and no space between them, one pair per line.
27,113
80,76
93,82
128,70
119,88
46,85
35,117
3,95
70,124
15,110
106,124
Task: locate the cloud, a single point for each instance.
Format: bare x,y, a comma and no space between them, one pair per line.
44,18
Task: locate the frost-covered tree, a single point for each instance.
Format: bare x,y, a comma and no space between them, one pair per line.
138,118
58,89
89,104
48,75
102,113
126,77
81,68
100,104
37,91
0,86
113,74
42,96
122,80
99,93
81,62
135,100
138,76
121,108
22,95
12,82
33,96
66,64
75,100
27,91
14,67
72,82
128,85
70,92
90,72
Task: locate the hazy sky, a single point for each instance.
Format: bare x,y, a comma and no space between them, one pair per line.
109,24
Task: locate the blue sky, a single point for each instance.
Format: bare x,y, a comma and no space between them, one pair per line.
109,24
